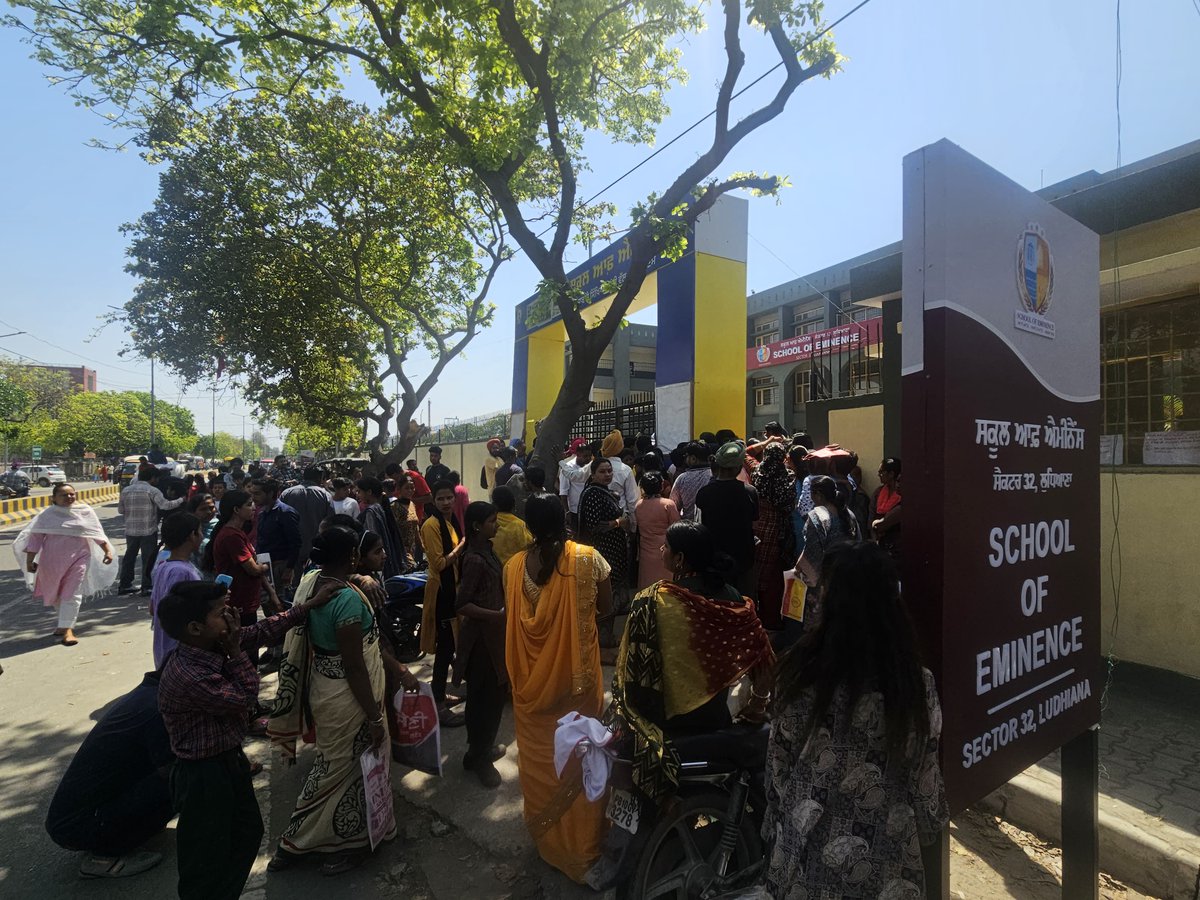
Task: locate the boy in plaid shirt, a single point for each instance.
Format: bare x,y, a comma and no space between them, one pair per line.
207,691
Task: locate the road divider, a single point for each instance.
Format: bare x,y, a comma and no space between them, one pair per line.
21,509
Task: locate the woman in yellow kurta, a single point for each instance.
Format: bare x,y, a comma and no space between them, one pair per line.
553,592
442,550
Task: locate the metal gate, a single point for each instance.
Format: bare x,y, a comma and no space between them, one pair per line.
634,417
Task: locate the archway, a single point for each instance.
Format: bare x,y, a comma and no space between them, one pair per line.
700,368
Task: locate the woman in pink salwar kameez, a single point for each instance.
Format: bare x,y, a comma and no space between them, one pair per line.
67,555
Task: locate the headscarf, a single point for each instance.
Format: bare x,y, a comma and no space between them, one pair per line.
772,479
77,520
612,445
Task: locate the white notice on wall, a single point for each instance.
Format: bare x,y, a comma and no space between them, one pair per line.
1112,449
1171,448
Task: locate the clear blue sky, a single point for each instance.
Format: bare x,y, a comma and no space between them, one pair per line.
1030,89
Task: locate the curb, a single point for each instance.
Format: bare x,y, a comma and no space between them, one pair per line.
1145,852
25,508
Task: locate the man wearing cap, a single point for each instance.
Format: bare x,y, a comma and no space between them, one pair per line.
728,508
696,474
624,483
491,465
573,472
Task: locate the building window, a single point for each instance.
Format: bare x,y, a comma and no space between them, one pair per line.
866,371
1150,357
807,321
862,313
803,388
766,392
866,375
766,332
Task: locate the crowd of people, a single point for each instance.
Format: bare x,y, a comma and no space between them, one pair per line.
691,570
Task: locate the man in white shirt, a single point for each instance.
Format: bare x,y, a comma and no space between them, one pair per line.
573,472
624,484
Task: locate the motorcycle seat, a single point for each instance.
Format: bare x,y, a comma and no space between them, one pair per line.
736,747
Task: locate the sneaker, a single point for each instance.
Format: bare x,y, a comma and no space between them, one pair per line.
485,769
118,866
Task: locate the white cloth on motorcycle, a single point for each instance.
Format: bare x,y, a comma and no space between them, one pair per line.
740,746
574,729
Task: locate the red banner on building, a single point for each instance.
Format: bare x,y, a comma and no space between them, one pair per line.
851,336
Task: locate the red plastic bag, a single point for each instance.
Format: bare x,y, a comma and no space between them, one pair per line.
416,737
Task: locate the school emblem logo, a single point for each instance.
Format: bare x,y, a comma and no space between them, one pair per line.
1035,270
764,354
1035,281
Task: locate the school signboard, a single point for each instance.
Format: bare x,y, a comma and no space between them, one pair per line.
1001,407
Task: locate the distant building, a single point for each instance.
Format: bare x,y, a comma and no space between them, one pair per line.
83,378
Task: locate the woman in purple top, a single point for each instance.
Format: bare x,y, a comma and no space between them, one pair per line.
181,534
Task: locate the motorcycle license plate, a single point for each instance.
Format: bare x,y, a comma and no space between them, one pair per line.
623,810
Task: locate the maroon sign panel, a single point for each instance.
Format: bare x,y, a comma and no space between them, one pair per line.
1001,460
850,336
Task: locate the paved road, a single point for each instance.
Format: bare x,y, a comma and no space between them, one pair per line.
50,697
457,840
35,491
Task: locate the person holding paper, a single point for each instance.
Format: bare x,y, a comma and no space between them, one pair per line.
336,662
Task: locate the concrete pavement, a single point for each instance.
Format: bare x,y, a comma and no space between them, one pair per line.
458,840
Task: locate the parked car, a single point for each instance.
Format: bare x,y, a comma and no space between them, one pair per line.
44,476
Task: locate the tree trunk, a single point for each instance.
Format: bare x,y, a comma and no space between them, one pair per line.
571,403
406,439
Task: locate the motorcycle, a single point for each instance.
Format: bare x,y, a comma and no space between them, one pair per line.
704,841
13,486
405,597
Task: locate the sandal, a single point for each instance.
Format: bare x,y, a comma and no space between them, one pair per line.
119,866
282,860
255,768
69,639
344,862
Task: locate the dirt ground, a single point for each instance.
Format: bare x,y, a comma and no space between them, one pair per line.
990,858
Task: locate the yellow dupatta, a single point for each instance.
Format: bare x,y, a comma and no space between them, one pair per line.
553,657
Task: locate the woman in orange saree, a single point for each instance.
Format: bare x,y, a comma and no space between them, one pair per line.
553,592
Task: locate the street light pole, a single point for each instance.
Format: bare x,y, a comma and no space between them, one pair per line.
151,401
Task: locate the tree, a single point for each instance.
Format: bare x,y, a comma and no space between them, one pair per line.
343,440
327,245
509,90
110,423
226,445
27,391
